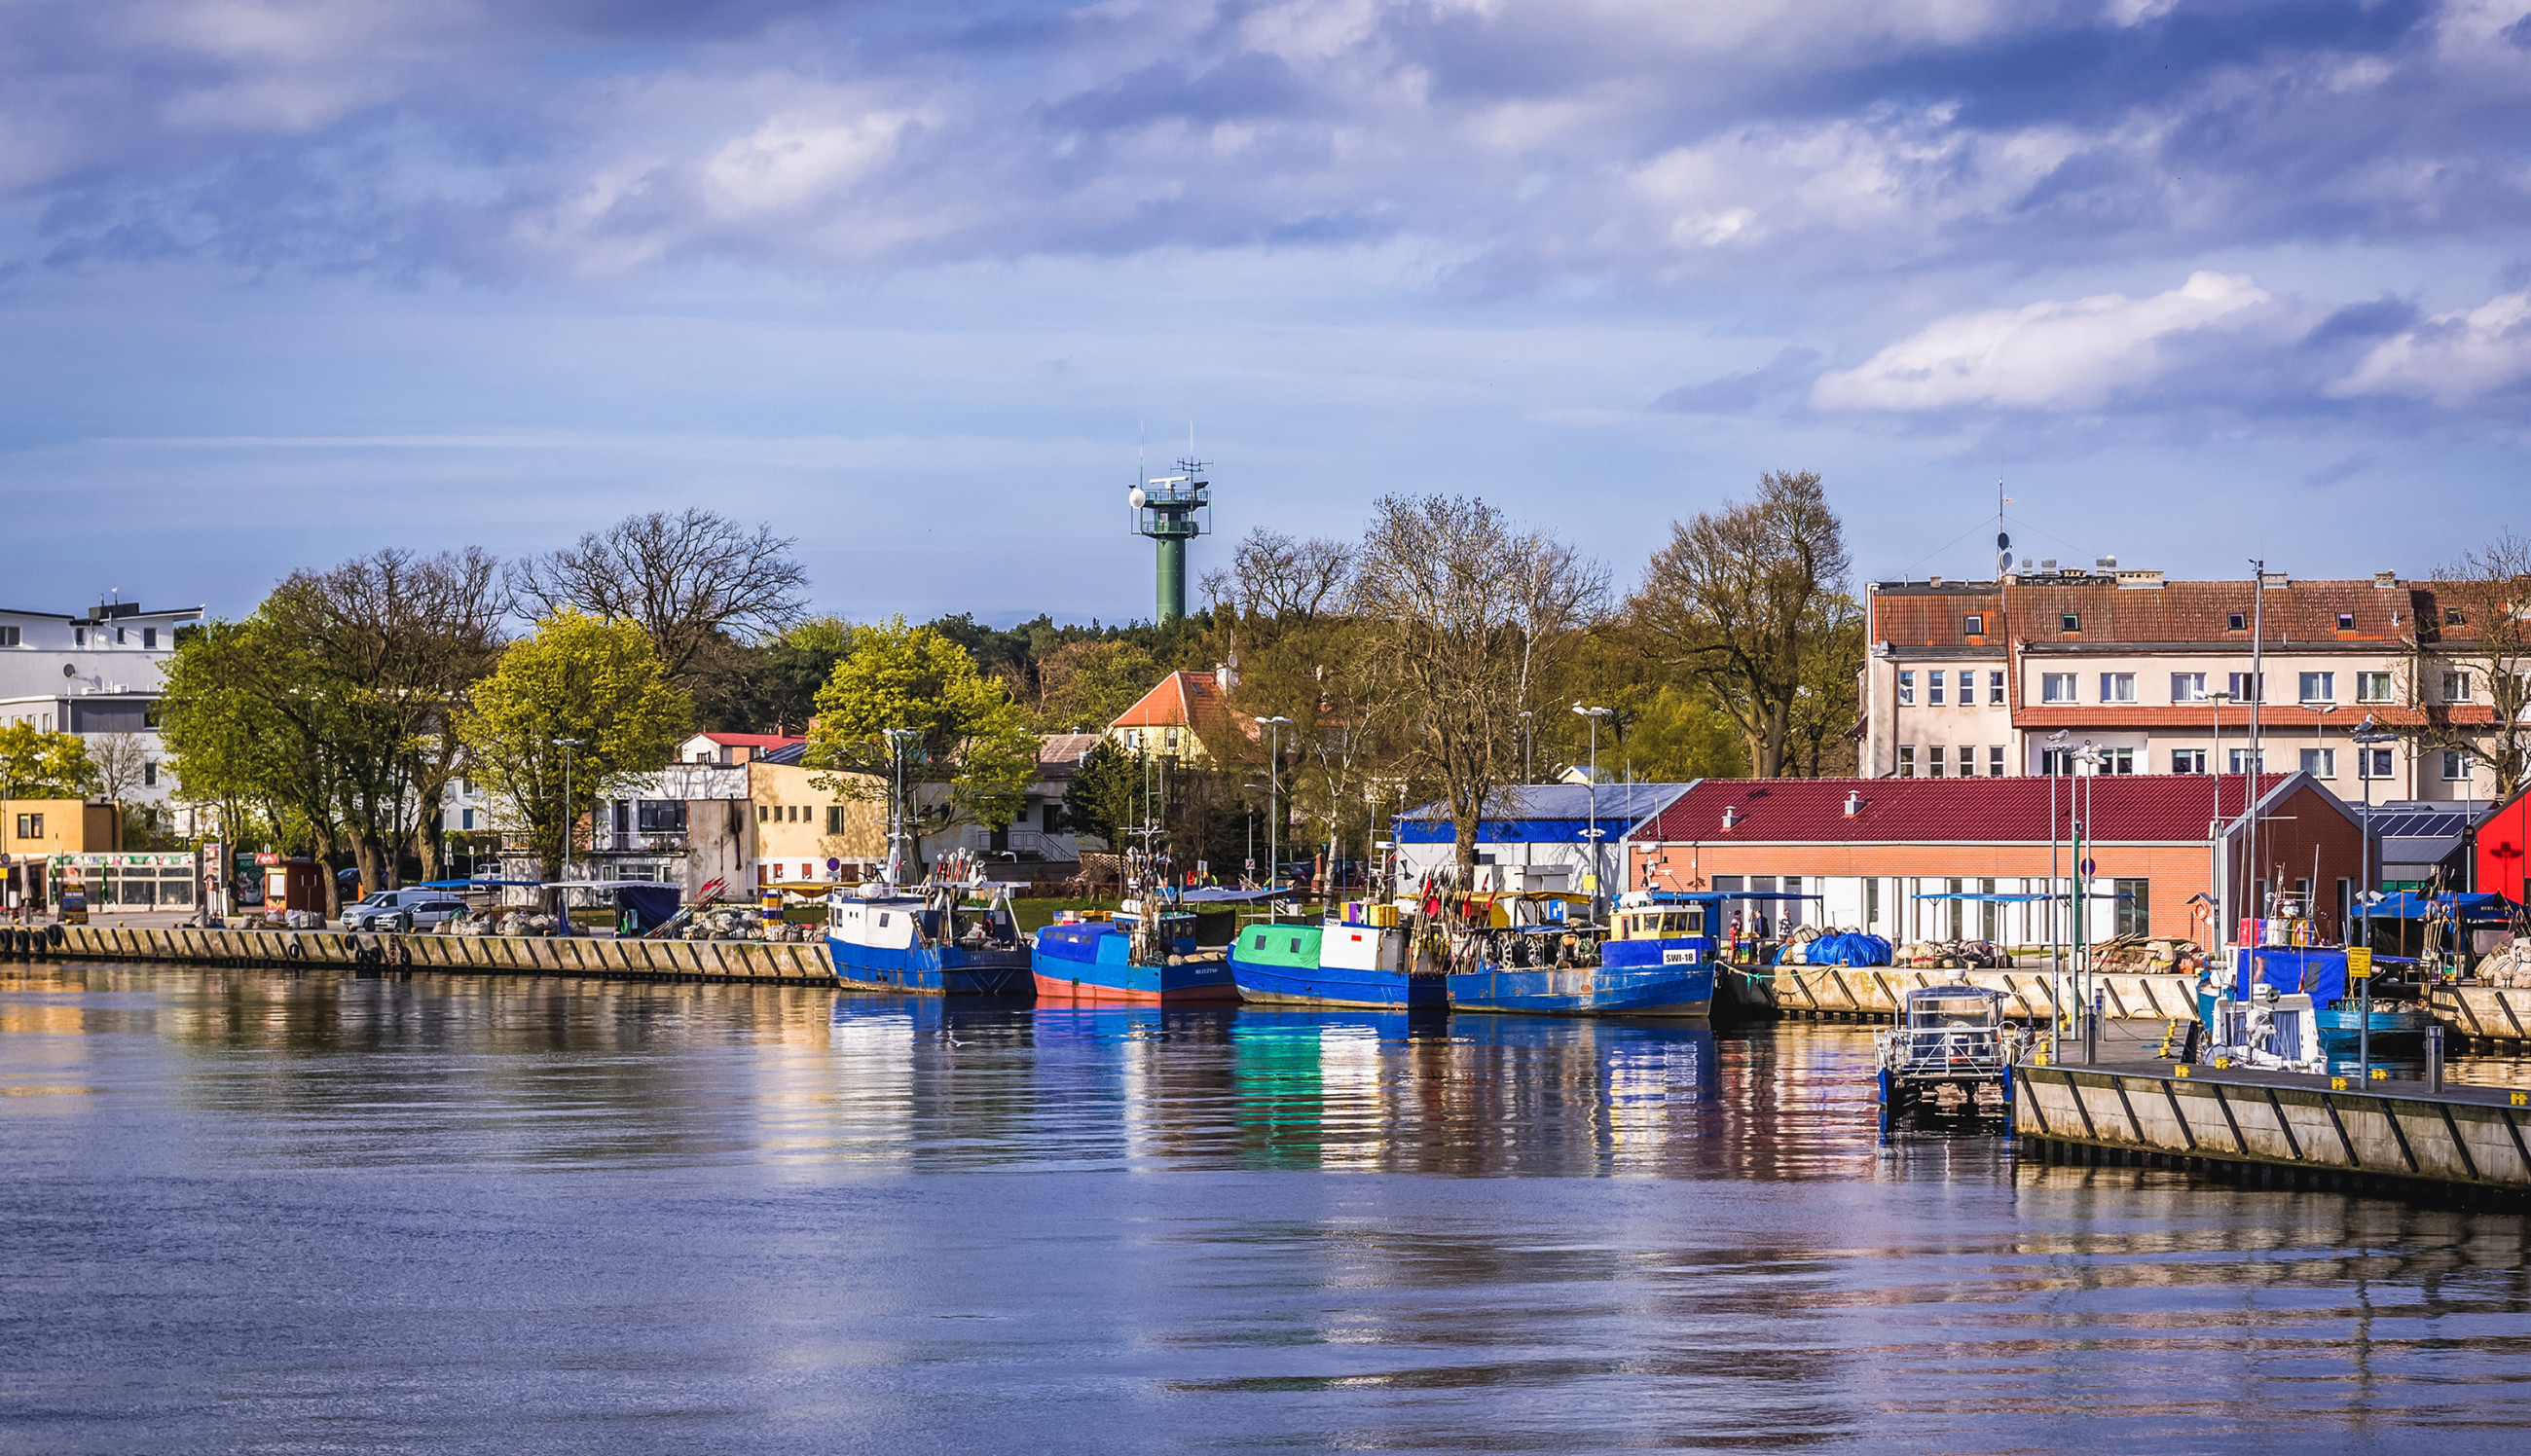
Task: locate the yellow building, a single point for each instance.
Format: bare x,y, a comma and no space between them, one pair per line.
800,827
1170,720
58,827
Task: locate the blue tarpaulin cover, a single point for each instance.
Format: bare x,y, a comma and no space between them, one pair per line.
2318,970
2409,906
653,906
1848,950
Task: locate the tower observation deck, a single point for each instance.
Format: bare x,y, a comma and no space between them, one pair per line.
1173,510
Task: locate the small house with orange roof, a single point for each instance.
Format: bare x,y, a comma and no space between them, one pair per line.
1173,718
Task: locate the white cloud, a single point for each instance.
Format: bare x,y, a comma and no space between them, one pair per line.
2050,355
2452,357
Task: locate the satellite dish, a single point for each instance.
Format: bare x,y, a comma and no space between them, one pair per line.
2004,540
69,671
1136,498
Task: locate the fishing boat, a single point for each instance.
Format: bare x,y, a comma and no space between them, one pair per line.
946,936
1523,953
1342,962
1949,1054
1146,952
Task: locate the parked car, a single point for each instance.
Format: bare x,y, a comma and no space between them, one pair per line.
409,909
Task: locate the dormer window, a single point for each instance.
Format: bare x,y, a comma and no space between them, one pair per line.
2346,621
1974,624
2452,617
2237,622
2070,622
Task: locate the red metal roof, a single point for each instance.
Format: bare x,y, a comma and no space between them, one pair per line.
1182,700
2129,809
755,740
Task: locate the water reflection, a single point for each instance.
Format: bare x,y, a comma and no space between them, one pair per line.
251,1210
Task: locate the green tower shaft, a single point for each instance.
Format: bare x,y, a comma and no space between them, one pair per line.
1173,510
1172,568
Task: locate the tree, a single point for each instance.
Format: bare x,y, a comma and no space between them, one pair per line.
971,743
1104,795
1088,682
1741,599
575,677
1680,735
697,583
118,762
777,683
1463,614
2480,627
40,763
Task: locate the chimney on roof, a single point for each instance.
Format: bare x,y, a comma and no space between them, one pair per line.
2386,579
2105,564
1730,816
1933,581
1225,675
1853,803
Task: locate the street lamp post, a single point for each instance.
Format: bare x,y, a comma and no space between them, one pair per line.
570,822
2054,757
1274,727
2366,733
1592,791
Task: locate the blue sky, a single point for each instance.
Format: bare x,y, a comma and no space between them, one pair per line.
286,282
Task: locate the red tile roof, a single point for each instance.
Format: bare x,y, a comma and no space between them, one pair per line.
2126,808
1937,616
1182,700
2201,612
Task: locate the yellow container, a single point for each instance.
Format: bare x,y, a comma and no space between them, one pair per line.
1383,914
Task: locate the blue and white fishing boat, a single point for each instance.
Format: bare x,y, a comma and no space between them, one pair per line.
942,938
1655,959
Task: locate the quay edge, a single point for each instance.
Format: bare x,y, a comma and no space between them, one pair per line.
780,962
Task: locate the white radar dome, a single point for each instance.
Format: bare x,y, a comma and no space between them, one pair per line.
1137,498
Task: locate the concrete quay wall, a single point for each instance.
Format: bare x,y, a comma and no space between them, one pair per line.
1875,992
2335,1130
493,955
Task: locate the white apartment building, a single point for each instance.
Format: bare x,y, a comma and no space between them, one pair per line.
93,672
1977,679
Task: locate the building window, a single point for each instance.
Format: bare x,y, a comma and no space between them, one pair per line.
2346,621
1906,690
2057,686
1974,624
2070,622
1933,690
1935,760
2117,760
1050,818
148,775
834,818
9,636
1995,762
2188,760
1995,689
148,636
119,638
2133,915
2237,622
2455,687
2320,687
2453,617
764,815
2117,687
2320,762
1906,760
466,819
2238,761
2455,765
2373,762
2245,690
31,826
79,637
660,816
2372,687
2188,687
1968,762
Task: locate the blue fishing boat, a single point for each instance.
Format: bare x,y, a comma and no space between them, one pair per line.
1340,963
1137,956
939,938
1656,959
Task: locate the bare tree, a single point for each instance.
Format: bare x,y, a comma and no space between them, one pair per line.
1287,581
117,763
1741,599
1463,612
2473,646
694,580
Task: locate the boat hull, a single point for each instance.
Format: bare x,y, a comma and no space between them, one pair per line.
930,970
1091,963
1587,991
1335,965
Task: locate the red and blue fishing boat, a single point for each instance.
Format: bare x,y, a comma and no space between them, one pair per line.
1147,954
1655,958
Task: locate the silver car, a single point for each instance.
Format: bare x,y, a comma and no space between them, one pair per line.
402,909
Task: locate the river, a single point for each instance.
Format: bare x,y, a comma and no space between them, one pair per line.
248,1212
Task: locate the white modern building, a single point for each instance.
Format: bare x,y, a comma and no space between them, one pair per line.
92,673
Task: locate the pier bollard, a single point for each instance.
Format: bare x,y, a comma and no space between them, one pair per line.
2092,1031
2434,1057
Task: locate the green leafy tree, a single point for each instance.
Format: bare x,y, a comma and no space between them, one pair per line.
38,763
777,689
1088,682
1104,795
972,750
595,680
1679,736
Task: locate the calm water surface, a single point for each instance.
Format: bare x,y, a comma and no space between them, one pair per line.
248,1211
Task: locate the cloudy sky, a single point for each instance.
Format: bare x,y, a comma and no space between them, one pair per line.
282,282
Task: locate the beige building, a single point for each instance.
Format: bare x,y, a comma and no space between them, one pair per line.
798,827
1979,679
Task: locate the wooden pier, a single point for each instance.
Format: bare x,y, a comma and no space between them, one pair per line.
1874,992
772,963
2333,1132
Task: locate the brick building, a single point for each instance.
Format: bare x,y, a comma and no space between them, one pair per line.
1868,846
1973,679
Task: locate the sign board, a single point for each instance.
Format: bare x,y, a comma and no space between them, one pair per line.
833,864
2090,868
2359,962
